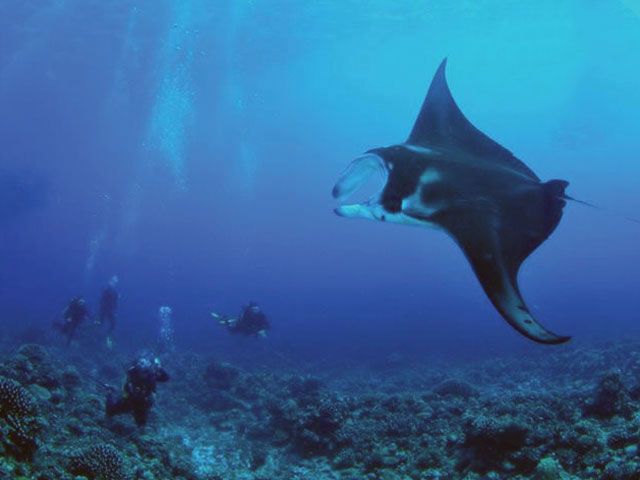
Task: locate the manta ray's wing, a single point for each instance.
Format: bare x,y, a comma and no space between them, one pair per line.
441,123
498,238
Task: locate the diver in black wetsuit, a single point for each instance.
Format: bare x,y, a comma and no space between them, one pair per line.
73,315
109,307
251,322
138,393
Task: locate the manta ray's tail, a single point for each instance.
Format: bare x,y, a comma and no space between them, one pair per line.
556,188
582,202
591,205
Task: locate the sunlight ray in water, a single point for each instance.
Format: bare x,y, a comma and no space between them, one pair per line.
39,27
173,111
234,96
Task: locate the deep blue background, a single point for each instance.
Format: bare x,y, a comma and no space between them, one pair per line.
191,146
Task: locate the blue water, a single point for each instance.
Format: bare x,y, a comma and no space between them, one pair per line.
190,147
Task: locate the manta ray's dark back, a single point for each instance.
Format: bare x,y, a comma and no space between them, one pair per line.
498,238
450,175
440,122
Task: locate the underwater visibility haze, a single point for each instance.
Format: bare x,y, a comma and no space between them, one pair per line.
172,163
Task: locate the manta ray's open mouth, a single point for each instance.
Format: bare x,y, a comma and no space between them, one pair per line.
366,174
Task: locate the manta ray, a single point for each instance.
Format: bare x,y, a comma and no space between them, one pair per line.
450,176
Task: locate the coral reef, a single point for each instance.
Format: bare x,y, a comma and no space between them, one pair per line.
563,416
100,462
610,397
19,426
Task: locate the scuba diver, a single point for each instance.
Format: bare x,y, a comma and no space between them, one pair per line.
73,315
109,307
251,322
138,392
